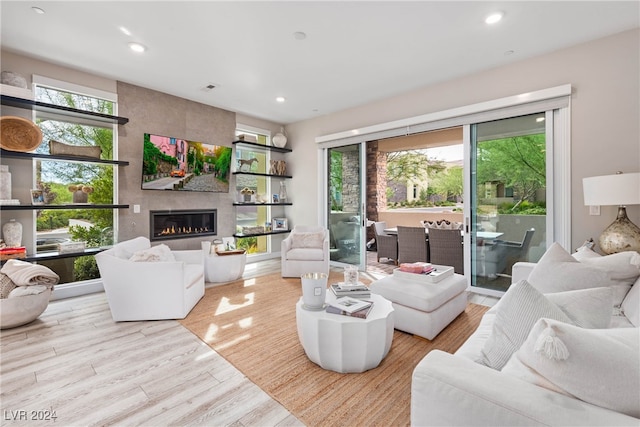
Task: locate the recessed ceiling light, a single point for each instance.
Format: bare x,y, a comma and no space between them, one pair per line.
540,119
38,10
137,47
494,17
299,35
280,99
125,31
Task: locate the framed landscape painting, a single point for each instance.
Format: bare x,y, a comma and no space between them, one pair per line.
177,164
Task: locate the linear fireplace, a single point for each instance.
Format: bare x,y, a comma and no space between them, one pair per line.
181,224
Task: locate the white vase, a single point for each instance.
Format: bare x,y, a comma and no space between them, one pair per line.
5,183
279,139
12,233
282,196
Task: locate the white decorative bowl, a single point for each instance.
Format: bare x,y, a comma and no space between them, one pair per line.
22,310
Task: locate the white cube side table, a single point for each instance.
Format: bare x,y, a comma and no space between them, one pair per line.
343,343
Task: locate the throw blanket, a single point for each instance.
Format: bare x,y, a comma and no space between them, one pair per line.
24,273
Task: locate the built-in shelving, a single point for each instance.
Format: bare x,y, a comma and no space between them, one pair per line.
21,155
29,104
51,110
262,174
261,204
264,147
59,207
46,256
266,233
253,145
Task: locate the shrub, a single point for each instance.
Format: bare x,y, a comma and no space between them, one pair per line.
85,268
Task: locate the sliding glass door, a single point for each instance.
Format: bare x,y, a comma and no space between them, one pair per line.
508,212
345,202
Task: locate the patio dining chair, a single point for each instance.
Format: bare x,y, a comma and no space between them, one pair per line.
387,244
445,248
518,251
412,245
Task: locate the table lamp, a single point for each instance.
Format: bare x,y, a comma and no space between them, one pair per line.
621,189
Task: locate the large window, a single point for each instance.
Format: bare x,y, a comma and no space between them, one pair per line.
253,188
74,182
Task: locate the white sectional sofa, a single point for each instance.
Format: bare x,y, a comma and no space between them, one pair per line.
459,390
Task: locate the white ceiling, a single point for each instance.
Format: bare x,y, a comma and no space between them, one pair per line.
355,52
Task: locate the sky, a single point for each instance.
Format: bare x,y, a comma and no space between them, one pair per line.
447,153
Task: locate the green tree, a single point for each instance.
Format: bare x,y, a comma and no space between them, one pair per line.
448,182
222,162
517,162
335,178
413,165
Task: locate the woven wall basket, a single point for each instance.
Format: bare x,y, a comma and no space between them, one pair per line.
19,134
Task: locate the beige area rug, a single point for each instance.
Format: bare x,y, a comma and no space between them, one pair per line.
252,324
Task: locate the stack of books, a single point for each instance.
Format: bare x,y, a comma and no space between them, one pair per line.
355,291
348,306
11,253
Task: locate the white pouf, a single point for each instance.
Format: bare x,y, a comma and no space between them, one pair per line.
423,309
22,310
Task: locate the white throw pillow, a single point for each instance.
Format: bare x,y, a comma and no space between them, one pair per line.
519,309
623,266
587,308
126,249
307,239
598,366
558,271
631,304
159,253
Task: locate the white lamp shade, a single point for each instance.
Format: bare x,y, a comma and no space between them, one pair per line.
620,190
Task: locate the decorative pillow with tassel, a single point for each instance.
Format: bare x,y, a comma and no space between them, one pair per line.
598,366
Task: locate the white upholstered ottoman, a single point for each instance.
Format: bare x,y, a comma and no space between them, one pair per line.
423,309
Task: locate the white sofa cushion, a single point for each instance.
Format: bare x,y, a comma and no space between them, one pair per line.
558,271
599,366
622,266
587,308
631,304
305,254
307,239
520,308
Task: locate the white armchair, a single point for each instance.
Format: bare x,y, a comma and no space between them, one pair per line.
305,250
152,290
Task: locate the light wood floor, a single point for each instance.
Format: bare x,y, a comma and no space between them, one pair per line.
78,364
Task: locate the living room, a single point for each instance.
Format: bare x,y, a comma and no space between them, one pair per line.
604,108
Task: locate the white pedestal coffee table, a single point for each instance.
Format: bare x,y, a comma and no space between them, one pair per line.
343,343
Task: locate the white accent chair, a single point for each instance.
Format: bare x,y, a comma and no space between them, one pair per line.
152,290
305,250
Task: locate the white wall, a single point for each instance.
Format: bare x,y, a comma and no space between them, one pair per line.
605,107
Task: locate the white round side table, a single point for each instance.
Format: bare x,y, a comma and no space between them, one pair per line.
227,268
